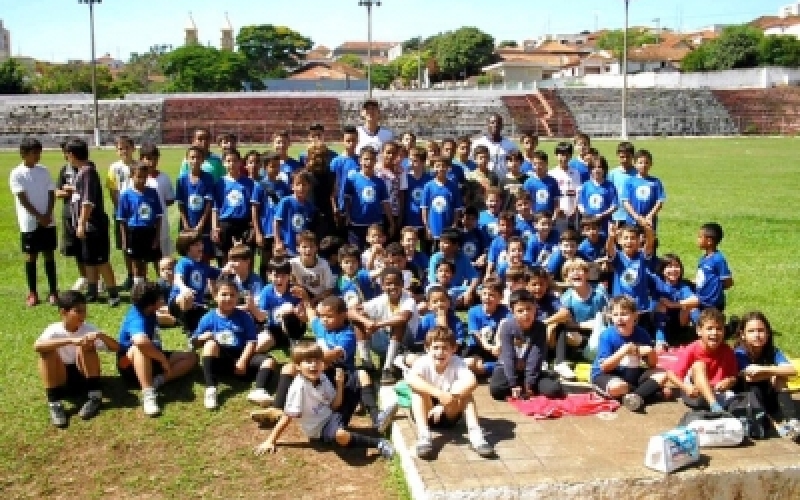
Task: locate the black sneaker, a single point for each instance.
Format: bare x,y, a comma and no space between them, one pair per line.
58,416
388,378
90,408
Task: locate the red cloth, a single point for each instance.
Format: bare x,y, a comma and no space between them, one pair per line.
720,363
541,407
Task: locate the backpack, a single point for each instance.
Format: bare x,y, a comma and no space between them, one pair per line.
747,408
714,429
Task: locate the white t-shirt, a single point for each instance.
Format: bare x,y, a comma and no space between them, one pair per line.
381,137
69,353
569,184
456,369
36,183
379,309
310,404
498,151
316,279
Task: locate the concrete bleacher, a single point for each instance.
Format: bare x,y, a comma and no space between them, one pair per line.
763,111
651,112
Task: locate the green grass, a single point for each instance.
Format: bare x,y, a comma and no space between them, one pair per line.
747,185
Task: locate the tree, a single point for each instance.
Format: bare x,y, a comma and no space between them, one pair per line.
137,76
737,47
698,59
13,78
197,68
351,60
614,41
508,43
272,50
413,43
466,50
73,78
779,50
382,76
407,65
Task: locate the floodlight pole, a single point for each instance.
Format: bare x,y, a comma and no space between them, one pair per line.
624,131
94,68
369,4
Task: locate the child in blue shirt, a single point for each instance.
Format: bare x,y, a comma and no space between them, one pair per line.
288,165
231,216
482,347
366,199
416,179
354,285
525,223
497,254
440,313
280,308
617,370
139,213
671,293
619,178
441,201
474,240
544,242
586,304
464,274
488,218
462,159
342,167
194,194
566,250
593,248
141,359
515,257
228,338
293,215
267,193
598,197
713,275
542,188
644,194
630,266
581,144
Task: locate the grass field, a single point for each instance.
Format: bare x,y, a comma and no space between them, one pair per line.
747,185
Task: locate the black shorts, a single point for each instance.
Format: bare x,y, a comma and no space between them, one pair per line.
225,364
70,244
75,384
139,242
444,422
128,374
94,249
41,239
189,319
351,394
118,235
292,329
238,229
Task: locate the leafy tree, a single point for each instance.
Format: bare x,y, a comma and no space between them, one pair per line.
407,65
73,78
779,50
351,60
614,41
737,47
137,75
13,78
272,50
508,43
197,68
698,59
413,43
382,76
466,50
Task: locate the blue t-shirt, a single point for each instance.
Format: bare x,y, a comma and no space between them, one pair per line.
525,229
610,341
355,290
743,359
136,323
456,325
342,167
270,300
478,319
581,167
526,168
344,337
231,332
232,198
466,166
195,197
711,271
584,310
619,178
267,194
632,277
538,252
294,217
556,261
137,209
547,306
474,243
441,201
367,196
488,222
497,251
288,168
252,284
465,272
643,193
544,192
195,275
456,174
597,198
593,251
412,209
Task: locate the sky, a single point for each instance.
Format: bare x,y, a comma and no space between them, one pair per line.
58,30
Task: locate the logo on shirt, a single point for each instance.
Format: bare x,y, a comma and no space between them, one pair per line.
351,298
298,222
542,196
145,211
543,256
643,192
195,202
196,279
630,277
439,204
416,195
312,280
595,201
368,194
235,198
225,337
470,249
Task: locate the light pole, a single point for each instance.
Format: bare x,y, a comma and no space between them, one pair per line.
624,132
369,4
94,69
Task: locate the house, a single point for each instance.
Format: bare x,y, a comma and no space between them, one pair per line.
319,53
318,70
380,50
778,25
662,57
597,63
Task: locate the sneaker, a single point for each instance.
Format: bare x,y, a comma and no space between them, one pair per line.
113,301
260,397
478,443
564,371
268,416
424,448
52,299
150,403
386,417
32,300
210,399
79,285
632,401
57,415
387,377
386,449
158,381
90,408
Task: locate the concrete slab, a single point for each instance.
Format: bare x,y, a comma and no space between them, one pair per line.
589,457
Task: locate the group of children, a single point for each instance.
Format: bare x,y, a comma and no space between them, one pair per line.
374,251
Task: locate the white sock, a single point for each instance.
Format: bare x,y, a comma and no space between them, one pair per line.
391,353
362,346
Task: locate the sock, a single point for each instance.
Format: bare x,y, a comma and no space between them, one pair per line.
647,388
370,402
786,404
262,378
113,292
362,441
53,394
93,386
391,353
50,272
91,289
362,346
284,381
30,275
208,371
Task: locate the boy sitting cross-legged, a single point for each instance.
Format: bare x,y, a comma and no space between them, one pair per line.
442,386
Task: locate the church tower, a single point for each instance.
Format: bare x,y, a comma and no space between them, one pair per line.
226,41
190,31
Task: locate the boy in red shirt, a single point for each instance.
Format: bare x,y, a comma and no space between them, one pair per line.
707,369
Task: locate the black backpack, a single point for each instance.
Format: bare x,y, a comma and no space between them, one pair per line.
747,408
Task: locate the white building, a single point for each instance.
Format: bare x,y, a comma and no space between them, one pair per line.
5,42
793,9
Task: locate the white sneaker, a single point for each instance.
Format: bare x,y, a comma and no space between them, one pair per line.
260,397
210,399
564,371
478,443
149,402
80,285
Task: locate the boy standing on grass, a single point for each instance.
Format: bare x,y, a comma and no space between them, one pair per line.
34,194
211,162
158,180
644,194
119,173
68,361
194,193
65,188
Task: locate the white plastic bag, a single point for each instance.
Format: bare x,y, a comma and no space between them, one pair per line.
718,432
672,450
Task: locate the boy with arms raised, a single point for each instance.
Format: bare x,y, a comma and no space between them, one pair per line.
443,387
631,266
68,361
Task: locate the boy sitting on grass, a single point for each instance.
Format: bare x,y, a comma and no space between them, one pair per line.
68,361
